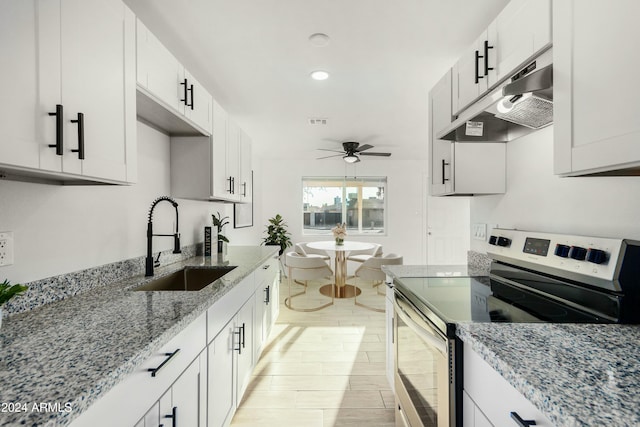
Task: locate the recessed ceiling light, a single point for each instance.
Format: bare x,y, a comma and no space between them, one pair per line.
319,75
319,39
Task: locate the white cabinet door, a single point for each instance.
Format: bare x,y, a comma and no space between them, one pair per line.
93,86
185,394
220,182
503,399
26,130
199,104
159,72
260,320
245,182
440,151
221,394
274,298
596,109
81,57
390,345
244,324
469,81
520,31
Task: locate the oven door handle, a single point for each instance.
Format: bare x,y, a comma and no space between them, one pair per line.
438,343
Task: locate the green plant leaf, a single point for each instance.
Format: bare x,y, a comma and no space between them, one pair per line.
8,291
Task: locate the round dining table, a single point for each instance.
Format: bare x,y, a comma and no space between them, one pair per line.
340,289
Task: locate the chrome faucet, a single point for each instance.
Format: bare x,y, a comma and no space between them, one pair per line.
149,262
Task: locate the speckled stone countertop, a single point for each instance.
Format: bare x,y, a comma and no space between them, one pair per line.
577,375
75,350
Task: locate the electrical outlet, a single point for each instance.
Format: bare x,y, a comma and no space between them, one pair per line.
6,248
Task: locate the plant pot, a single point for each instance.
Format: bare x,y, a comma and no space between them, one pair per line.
221,247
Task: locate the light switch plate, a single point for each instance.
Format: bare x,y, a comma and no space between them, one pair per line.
6,248
479,231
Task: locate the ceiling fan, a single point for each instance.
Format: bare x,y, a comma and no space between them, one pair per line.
352,150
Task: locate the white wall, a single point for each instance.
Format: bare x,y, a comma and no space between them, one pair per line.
60,229
536,199
281,186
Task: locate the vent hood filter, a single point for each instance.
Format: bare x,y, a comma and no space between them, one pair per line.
533,112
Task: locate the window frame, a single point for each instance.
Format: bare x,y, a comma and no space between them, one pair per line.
345,182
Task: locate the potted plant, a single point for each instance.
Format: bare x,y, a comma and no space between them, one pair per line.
277,234
8,291
219,222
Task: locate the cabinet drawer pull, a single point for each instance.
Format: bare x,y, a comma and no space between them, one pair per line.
244,189
173,416
520,421
230,190
191,90
80,149
154,371
486,58
59,127
267,297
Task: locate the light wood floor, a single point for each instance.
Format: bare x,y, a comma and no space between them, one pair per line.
323,368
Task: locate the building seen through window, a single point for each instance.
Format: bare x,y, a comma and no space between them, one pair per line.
358,202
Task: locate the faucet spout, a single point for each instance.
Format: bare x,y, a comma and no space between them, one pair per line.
149,262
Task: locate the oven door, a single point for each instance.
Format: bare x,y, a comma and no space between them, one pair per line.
423,380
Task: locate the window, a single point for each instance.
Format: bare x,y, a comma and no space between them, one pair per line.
358,202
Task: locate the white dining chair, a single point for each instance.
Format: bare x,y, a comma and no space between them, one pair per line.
371,269
361,256
301,269
303,249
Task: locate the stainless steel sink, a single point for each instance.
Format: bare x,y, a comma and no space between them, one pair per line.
187,279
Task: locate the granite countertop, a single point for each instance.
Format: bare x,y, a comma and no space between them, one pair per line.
577,375
73,351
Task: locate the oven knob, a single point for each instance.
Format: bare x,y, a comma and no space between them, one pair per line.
562,250
578,253
503,241
596,256
493,240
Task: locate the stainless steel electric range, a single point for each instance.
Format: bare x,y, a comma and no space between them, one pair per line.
534,277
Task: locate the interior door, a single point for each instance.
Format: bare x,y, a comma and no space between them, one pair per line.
448,230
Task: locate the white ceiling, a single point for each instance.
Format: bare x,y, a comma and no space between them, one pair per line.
255,58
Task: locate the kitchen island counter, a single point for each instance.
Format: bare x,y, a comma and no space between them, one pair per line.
70,353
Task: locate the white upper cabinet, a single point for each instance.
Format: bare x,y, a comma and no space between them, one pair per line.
72,113
209,168
519,32
596,105
167,88
439,150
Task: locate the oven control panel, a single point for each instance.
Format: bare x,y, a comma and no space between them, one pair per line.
591,256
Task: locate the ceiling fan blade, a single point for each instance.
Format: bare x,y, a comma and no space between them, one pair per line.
325,149
363,147
375,154
327,157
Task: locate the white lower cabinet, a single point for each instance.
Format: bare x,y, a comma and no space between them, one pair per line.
489,400
390,355
221,395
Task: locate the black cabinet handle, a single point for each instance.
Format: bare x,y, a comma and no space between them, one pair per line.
444,163
243,336
154,371
173,416
186,89
520,421
244,189
239,334
477,77
191,90
230,190
267,297
80,149
59,127
233,185
486,58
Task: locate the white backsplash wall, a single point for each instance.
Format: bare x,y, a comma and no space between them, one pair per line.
281,186
61,229
536,199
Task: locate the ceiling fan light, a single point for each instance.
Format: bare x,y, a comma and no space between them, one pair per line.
320,75
351,158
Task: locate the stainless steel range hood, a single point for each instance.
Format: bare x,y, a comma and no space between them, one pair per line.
520,105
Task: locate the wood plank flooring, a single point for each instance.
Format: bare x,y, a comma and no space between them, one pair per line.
323,368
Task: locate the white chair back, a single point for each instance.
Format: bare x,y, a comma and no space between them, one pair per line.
371,269
301,267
